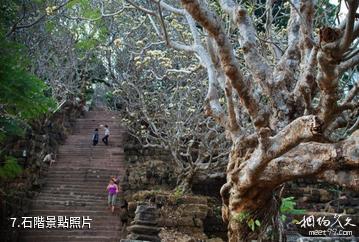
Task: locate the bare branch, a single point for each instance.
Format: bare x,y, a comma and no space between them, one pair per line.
163,25
171,8
145,10
307,83
303,128
348,34
233,125
256,63
229,63
313,158
352,93
276,51
103,14
352,62
42,17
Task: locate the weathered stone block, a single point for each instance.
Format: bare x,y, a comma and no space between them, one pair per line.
143,229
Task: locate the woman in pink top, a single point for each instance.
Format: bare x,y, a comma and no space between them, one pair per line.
112,190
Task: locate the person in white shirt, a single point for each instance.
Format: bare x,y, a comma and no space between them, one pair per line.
49,159
107,134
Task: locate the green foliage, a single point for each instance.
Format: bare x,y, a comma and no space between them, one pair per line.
178,193
8,10
240,217
244,216
10,127
22,95
288,207
91,34
325,15
10,169
92,13
86,44
218,211
49,26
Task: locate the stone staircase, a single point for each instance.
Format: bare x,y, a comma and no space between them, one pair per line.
76,184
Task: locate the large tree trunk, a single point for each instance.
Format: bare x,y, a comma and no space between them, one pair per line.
185,179
241,210
245,211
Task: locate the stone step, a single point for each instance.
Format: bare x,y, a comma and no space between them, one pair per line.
63,205
59,238
72,173
88,175
78,179
91,161
78,212
80,158
75,198
87,139
75,206
81,161
99,228
58,185
94,165
94,157
88,148
57,175
81,190
71,197
89,164
99,220
74,191
100,199
96,124
68,182
90,153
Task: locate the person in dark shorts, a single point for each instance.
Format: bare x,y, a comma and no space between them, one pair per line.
107,134
95,137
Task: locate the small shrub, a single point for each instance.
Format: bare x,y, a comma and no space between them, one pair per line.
245,217
10,169
288,207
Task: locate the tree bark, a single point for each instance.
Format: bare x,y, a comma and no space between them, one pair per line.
185,180
336,163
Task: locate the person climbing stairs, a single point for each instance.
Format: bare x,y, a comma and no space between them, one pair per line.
72,206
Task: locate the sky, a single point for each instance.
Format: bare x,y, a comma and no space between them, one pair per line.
343,8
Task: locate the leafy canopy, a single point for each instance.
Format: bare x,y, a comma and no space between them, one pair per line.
22,95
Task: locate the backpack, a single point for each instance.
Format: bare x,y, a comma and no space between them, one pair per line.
95,137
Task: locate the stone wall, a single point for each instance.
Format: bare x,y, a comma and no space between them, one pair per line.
323,197
42,138
181,217
147,167
321,200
